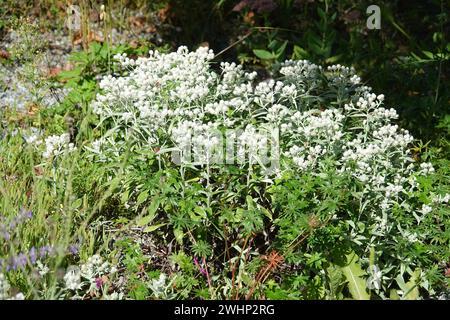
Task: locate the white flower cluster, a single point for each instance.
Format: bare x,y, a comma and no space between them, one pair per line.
426,168
162,287
72,278
426,209
441,199
115,296
89,272
341,74
154,78
253,144
314,135
301,72
57,145
94,267
33,137
41,268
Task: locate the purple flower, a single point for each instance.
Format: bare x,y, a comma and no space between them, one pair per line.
98,282
22,260
23,216
44,251
5,234
33,255
200,268
74,249
17,262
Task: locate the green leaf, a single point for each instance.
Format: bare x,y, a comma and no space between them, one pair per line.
411,288
266,212
154,227
321,13
113,184
281,49
333,59
354,275
151,213
249,201
153,207
264,54
428,54
142,197
144,221
201,212
336,280
273,44
77,203
372,256
393,295
70,74
299,53
125,196
178,233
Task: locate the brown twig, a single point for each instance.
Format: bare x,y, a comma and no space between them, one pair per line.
274,260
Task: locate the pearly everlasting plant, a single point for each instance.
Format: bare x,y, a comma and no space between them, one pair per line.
328,125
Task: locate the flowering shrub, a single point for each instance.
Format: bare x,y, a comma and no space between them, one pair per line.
343,177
